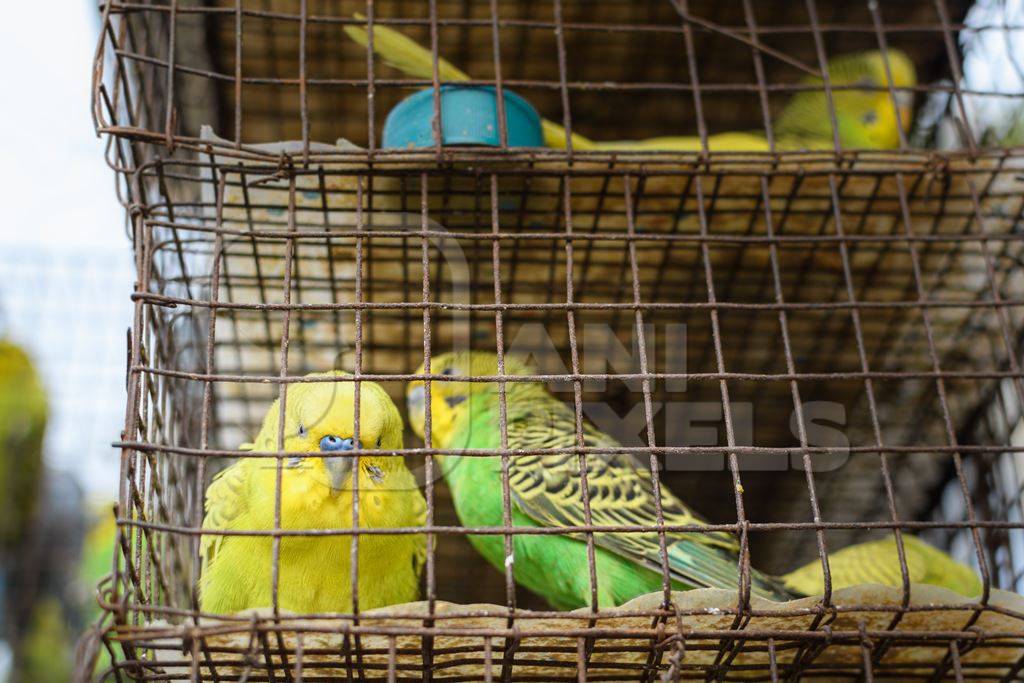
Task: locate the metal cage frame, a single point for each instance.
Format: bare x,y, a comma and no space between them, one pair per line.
886,282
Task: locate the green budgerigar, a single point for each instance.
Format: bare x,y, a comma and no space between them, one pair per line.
546,491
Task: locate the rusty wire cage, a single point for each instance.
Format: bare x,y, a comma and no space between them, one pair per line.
886,285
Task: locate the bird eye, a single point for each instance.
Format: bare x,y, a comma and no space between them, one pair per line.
379,439
302,431
336,443
448,372
869,118
455,400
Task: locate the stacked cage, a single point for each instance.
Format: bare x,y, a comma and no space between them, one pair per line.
812,347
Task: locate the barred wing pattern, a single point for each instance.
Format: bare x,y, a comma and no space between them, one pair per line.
548,488
226,501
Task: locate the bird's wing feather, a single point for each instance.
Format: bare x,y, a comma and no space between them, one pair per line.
871,562
548,488
226,501
879,562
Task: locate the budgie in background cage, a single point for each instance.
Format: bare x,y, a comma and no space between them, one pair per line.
546,491
866,119
316,493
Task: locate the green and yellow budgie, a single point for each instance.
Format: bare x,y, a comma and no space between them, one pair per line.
546,491
866,118
316,493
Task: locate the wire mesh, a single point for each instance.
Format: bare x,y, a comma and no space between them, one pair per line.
811,348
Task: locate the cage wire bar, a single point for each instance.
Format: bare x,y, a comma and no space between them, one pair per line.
886,284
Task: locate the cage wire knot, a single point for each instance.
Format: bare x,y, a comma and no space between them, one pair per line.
285,170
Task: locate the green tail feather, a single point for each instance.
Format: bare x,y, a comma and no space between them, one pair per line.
696,564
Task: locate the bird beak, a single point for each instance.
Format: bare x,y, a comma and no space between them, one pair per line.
338,470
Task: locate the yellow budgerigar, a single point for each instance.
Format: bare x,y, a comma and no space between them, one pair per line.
868,113
314,571
878,562
864,106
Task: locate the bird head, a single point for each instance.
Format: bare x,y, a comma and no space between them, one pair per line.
867,118
450,390
320,429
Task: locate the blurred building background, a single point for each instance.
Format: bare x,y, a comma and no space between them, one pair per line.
69,306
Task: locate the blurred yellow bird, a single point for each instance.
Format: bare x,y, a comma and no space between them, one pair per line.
23,415
314,572
866,117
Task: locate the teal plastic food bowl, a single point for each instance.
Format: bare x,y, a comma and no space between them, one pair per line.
469,116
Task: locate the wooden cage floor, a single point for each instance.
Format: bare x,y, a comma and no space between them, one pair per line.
857,626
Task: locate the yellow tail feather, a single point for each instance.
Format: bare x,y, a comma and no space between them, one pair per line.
405,54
